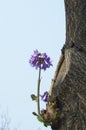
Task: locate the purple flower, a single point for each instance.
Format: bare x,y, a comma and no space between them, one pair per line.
40,60
45,96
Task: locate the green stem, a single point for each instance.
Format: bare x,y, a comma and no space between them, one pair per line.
38,92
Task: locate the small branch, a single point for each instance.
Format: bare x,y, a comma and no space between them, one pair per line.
38,91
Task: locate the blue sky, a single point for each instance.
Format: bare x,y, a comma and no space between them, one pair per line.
26,25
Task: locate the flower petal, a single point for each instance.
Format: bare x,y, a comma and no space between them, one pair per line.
40,60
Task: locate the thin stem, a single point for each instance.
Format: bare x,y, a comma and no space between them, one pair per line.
38,92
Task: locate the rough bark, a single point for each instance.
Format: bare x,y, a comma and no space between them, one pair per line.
70,84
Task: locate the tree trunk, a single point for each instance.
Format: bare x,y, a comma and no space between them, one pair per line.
69,85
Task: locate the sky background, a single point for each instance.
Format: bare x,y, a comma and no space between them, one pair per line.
26,25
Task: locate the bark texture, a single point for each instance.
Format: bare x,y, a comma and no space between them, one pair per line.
70,84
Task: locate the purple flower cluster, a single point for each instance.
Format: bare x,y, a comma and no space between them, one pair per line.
40,60
45,96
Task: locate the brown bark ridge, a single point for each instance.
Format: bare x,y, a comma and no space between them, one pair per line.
70,83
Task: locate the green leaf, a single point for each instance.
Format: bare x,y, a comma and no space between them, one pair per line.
39,118
47,124
34,98
35,114
43,121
